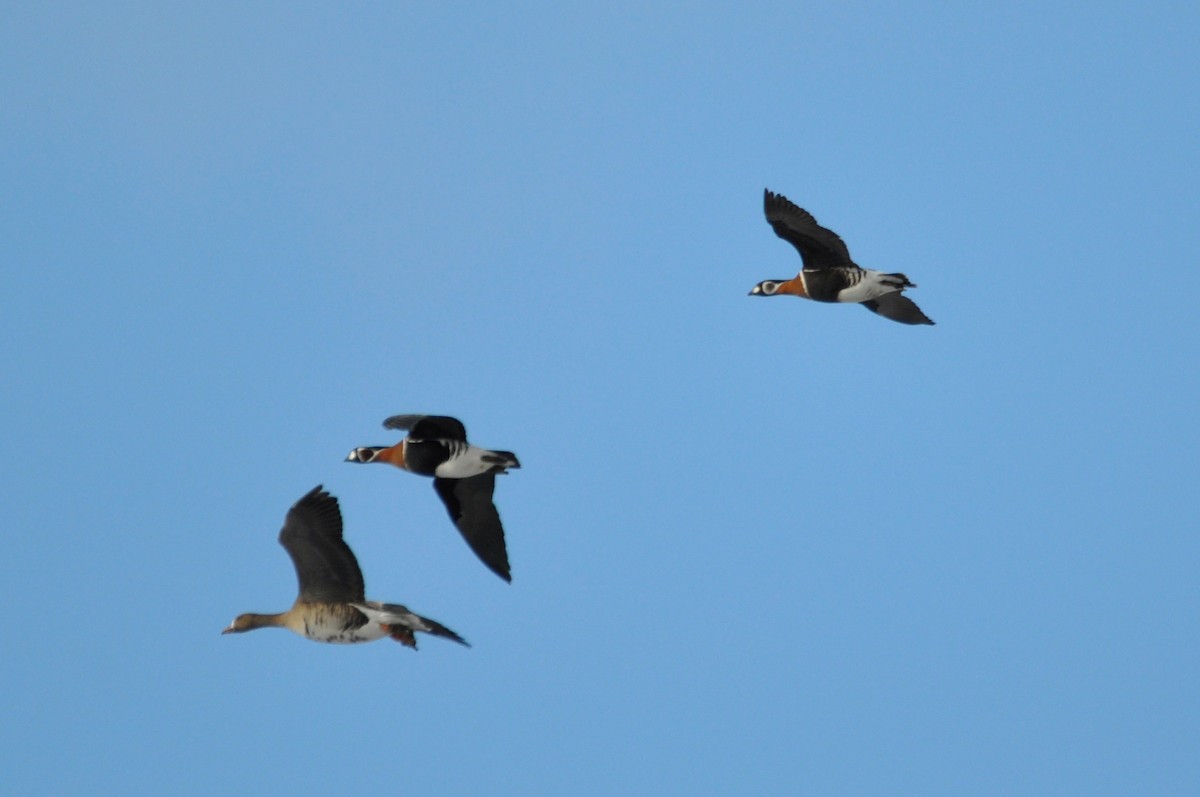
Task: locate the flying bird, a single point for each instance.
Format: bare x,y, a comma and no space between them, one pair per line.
331,606
464,477
829,275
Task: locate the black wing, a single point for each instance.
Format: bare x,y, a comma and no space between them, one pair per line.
898,307
428,427
819,248
469,502
325,565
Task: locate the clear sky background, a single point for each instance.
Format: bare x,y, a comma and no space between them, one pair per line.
758,546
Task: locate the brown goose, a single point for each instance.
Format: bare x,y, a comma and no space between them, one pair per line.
464,477
331,606
829,275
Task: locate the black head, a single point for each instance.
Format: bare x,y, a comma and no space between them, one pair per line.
364,454
766,288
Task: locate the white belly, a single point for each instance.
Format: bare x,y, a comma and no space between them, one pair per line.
871,286
464,465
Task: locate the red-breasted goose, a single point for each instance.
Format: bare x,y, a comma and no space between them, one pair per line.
464,477
829,275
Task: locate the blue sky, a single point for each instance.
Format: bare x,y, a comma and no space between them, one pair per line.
758,546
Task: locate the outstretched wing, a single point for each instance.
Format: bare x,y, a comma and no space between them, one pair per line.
469,502
898,307
325,565
819,247
428,427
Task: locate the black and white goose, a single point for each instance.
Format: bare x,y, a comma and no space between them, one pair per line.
464,477
829,275
331,606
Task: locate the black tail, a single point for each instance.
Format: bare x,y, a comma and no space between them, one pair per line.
897,280
505,459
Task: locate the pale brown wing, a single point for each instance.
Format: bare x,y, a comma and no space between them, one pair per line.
326,568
